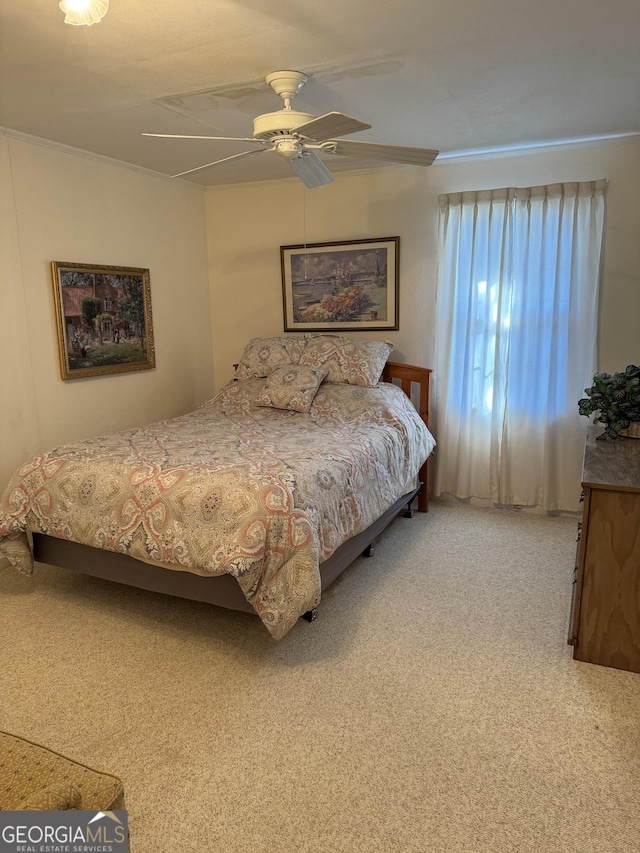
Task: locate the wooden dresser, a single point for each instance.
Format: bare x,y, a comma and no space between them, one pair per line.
605,612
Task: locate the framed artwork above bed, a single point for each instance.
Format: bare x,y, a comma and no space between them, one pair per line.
104,319
350,285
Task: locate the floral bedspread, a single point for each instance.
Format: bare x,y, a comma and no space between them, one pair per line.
260,493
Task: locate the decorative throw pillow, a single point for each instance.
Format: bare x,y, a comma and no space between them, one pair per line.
292,387
348,362
261,356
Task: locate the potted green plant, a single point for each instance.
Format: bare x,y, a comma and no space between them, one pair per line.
616,399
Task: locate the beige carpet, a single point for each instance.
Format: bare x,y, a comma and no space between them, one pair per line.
432,706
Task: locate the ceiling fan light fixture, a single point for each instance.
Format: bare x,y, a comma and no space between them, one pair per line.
83,12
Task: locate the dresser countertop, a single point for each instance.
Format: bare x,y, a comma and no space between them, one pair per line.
612,463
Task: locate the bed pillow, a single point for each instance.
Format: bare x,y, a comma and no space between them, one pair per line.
348,362
262,356
292,387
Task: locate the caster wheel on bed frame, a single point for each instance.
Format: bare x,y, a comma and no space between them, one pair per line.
368,551
310,615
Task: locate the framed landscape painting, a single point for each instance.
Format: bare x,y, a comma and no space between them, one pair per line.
351,285
104,319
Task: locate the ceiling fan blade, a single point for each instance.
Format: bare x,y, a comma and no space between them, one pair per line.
328,126
221,138
376,151
224,160
311,170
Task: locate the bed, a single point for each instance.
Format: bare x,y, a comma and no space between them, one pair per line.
255,501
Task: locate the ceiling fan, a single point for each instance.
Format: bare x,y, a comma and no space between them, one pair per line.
299,137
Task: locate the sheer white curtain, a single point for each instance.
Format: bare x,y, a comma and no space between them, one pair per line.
516,341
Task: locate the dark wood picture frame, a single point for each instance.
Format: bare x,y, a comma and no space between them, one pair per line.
347,285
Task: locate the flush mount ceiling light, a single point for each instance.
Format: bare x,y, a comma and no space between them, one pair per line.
83,12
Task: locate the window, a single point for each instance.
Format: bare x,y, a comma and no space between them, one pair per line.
516,343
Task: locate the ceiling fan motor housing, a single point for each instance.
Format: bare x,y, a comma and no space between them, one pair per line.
280,123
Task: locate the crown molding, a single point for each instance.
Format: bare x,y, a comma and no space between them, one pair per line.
89,155
535,148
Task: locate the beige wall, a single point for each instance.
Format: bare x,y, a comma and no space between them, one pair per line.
59,206
247,225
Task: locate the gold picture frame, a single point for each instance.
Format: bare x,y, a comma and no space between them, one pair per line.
349,285
104,319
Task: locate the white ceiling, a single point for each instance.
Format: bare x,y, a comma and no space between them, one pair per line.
455,75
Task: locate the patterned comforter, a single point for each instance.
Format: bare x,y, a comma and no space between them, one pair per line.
260,493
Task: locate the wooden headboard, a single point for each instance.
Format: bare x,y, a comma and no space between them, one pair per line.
416,384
